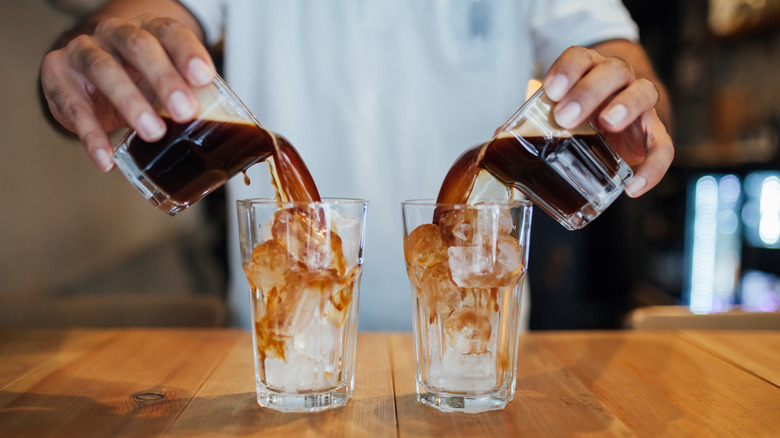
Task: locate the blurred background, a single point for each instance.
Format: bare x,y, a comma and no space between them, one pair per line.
78,247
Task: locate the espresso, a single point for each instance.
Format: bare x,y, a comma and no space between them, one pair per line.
195,158
516,161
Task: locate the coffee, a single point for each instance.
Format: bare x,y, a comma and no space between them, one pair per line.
522,162
194,158
572,174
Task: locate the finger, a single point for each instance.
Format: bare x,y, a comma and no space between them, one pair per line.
144,53
628,105
184,48
80,114
594,88
660,153
94,138
570,66
69,103
110,78
54,87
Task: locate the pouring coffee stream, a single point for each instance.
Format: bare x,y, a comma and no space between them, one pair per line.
195,158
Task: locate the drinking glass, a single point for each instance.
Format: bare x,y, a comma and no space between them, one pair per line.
572,174
466,265
303,262
194,158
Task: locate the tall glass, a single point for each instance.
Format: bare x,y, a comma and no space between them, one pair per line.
466,266
303,262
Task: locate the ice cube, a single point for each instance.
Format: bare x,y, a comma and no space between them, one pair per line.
308,240
484,300
504,218
266,230
510,258
338,306
457,226
317,340
486,266
475,226
471,266
268,267
299,373
348,229
302,295
437,292
309,362
468,331
453,371
289,308
424,248
472,373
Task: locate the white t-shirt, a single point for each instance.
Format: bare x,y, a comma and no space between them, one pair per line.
381,96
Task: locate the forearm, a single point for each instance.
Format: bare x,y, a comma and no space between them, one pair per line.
635,56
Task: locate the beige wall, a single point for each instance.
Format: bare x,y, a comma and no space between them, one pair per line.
60,218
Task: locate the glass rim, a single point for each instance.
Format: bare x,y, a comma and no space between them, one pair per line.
290,204
586,127
223,88
482,204
524,108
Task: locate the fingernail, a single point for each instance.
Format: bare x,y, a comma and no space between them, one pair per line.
568,114
556,87
180,106
151,126
199,72
615,115
103,160
636,186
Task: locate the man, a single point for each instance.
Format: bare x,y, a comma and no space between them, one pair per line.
378,96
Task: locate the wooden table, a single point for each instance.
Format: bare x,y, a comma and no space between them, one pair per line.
138,382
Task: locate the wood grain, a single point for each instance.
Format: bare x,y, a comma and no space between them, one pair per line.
195,382
29,356
660,385
755,351
226,406
135,385
550,400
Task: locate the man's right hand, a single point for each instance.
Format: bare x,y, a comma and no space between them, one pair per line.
108,79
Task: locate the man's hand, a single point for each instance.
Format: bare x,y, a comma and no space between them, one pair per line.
107,79
614,84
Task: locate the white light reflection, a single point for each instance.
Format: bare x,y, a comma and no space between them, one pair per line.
728,222
760,292
769,201
703,252
715,245
730,189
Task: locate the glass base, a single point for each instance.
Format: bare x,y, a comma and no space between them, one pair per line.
579,219
467,404
597,203
303,402
147,188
